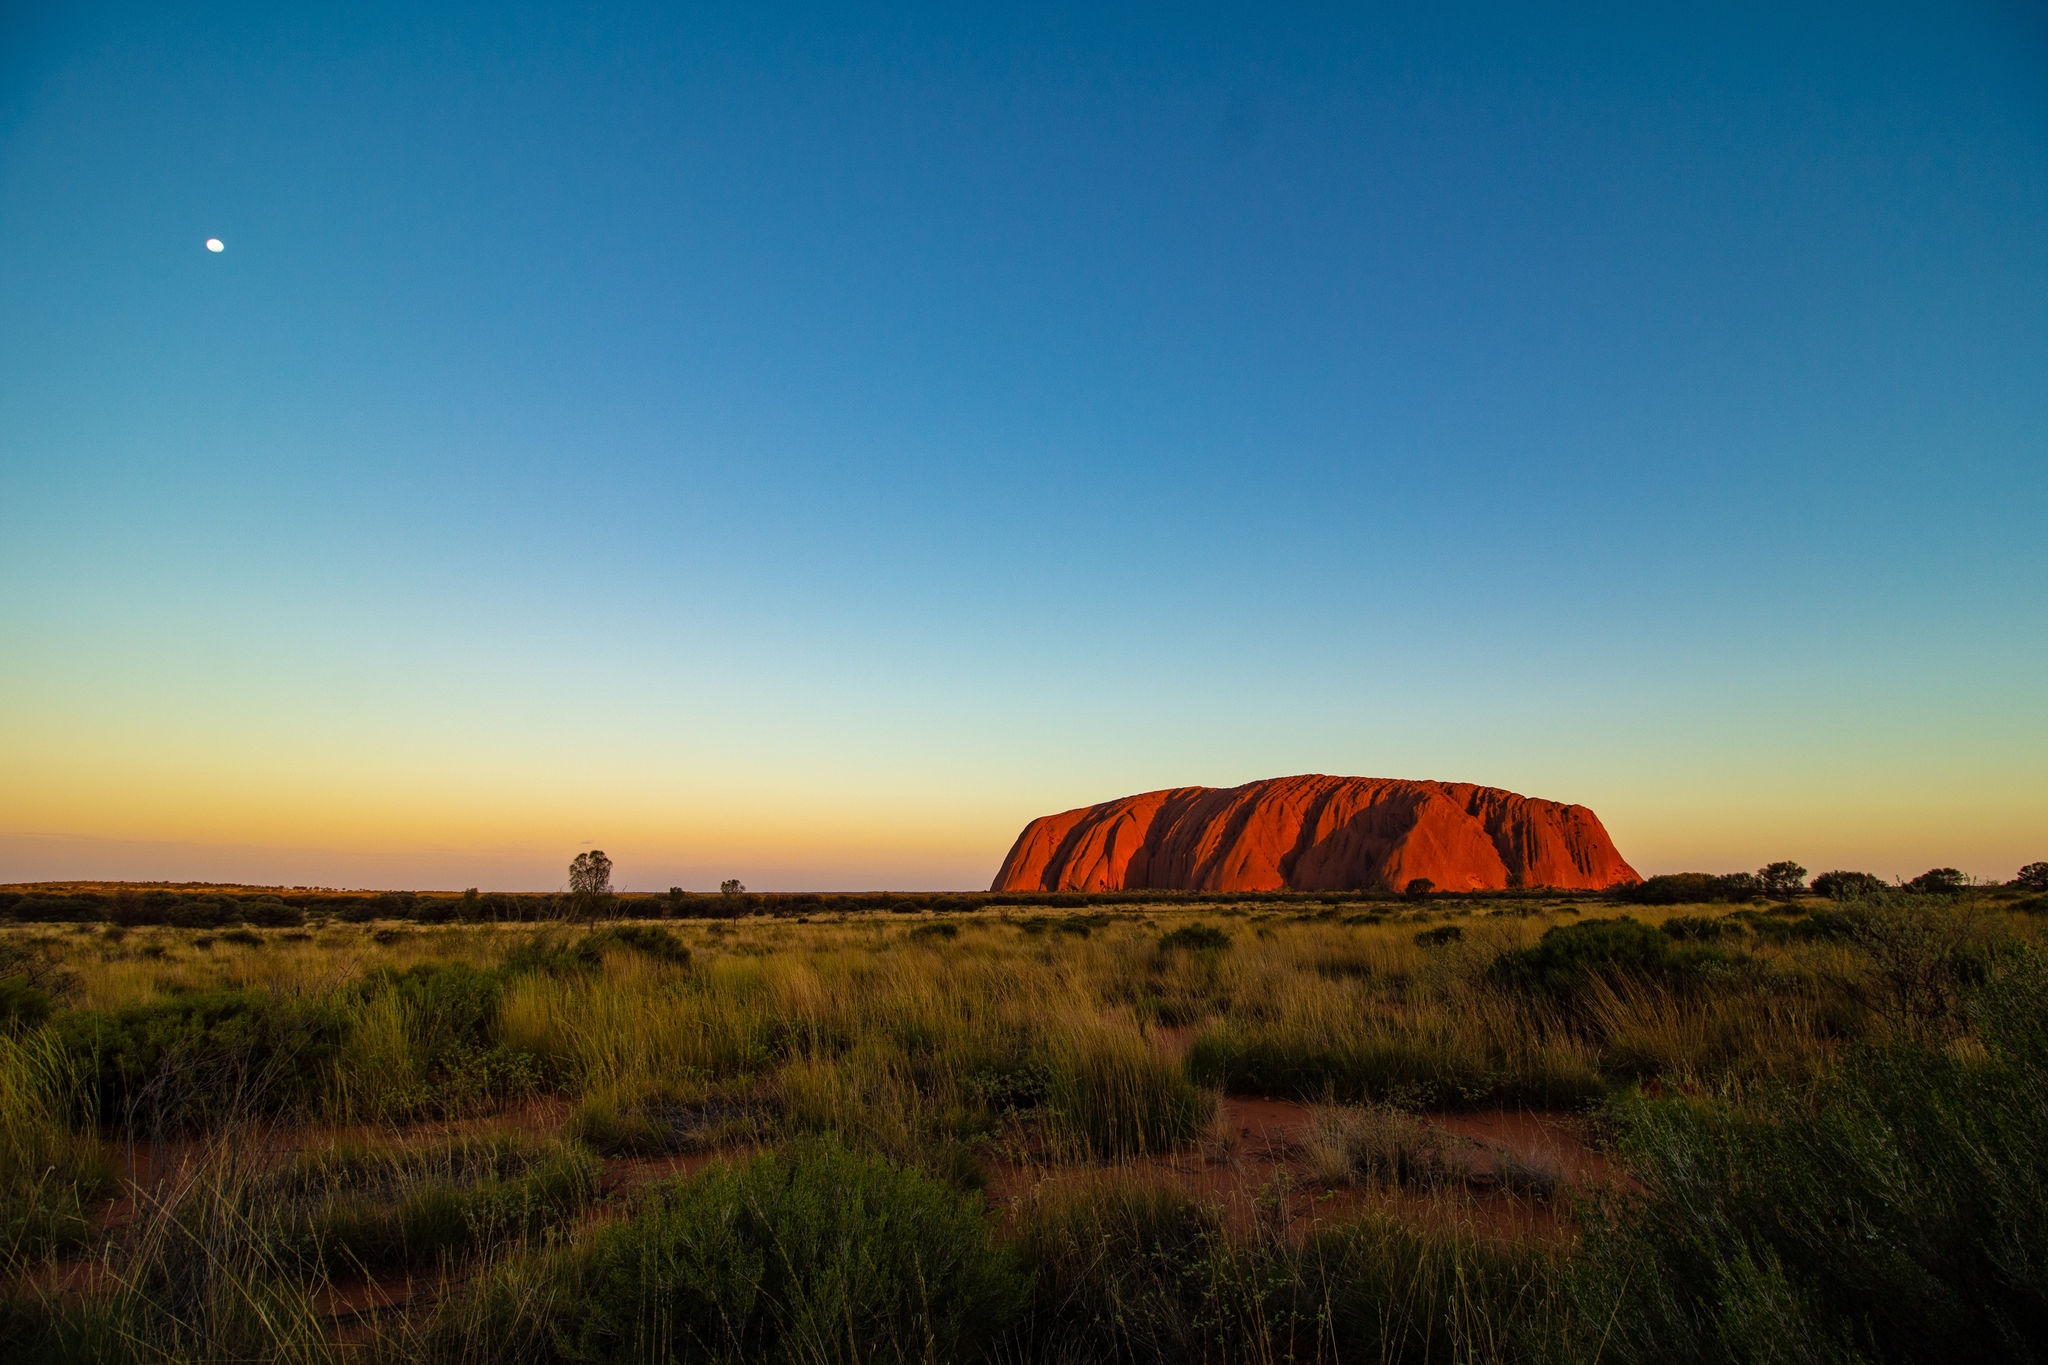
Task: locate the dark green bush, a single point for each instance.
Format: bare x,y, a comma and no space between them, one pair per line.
32,980
449,1004
550,953
1939,881
1689,888
200,1057
1568,956
814,1254
1847,886
1195,938
1439,936
648,940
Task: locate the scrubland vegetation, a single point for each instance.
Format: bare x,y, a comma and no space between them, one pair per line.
1519,1129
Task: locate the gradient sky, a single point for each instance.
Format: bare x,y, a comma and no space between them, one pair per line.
805,444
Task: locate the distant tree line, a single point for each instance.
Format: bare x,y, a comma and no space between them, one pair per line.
1785,880
592,898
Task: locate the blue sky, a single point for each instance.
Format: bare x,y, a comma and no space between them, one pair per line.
806,444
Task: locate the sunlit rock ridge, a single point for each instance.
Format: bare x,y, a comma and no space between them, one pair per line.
1316,833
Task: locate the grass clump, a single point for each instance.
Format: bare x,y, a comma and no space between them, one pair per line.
426,1040
1381,1145
50,1171
815,1254
1109,1095
661,1120
1897,1210
368,1210
1129,1270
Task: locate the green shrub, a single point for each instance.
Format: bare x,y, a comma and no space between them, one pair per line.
200,1057
21,1005
1194,938
813,1254
32,980
648,940
1569,956
1939,881
1847,886
1124,1270
1689,888
1898,1209
1439,936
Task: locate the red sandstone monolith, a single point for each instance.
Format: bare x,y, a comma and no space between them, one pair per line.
1316,833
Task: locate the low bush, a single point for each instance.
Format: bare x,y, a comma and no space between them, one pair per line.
1439,936
814,1254
201,1057
32,981
1569,957
1194,938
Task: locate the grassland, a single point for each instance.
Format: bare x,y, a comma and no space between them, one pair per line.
1528,1129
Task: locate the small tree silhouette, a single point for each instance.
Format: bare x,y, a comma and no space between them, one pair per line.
1939,881
590,884
2033,877
1782,881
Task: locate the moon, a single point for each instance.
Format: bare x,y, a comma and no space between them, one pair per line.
215,244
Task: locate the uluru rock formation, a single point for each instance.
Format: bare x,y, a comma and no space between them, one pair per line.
1316,833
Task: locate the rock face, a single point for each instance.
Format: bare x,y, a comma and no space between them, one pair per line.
1316,833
